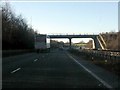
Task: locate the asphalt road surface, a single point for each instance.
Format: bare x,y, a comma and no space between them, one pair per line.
57,69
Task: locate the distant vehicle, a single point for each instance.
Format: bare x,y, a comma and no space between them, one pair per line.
42,43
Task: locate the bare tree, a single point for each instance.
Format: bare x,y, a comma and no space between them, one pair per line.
15,30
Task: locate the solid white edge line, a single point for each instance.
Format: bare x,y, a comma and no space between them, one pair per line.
94,75
15,70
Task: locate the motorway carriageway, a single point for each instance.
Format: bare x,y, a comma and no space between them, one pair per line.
56,69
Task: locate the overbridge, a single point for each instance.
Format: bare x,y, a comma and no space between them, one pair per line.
96,38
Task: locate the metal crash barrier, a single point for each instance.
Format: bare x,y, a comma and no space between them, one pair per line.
105,54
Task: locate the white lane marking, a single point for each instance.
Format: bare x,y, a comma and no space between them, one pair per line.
16,70
35,60
94,75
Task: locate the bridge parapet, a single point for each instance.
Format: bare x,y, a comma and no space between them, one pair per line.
73,36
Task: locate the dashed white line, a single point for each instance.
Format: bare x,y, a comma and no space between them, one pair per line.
16,70
94,75
35,60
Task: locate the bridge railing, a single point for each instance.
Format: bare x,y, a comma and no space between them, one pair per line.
71,34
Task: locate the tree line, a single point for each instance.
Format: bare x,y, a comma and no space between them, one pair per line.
112,40
16,33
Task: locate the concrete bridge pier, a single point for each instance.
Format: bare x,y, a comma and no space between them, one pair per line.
70,42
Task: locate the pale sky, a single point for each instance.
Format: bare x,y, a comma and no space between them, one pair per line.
69,17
